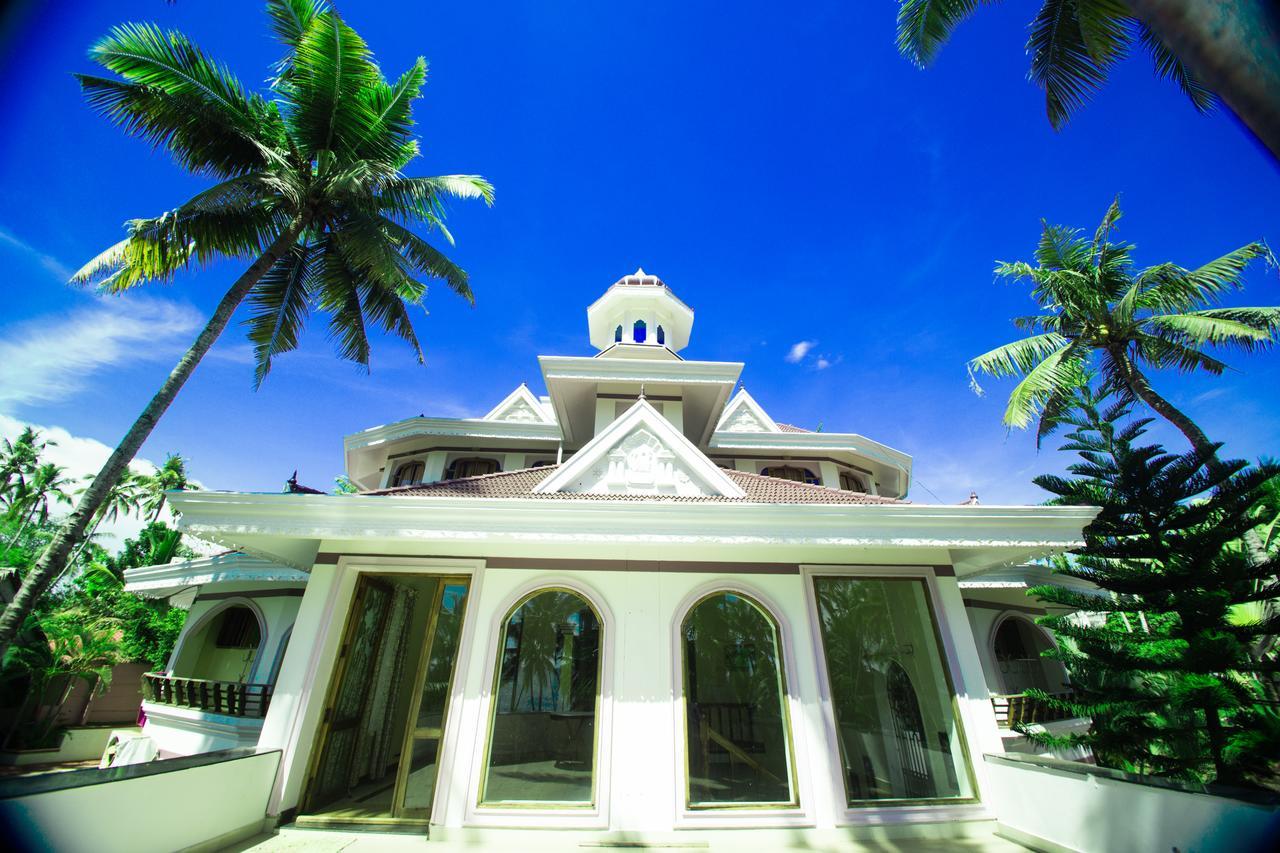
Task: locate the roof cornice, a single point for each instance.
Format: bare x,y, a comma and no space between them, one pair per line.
590,368
236,567
226,515
462,427
722,439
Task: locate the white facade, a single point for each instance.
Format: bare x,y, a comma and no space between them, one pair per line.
658,502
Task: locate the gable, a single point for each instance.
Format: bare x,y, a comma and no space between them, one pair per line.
519,406
641,453
744,414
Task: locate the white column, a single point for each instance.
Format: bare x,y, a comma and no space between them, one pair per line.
673,410
513,462
435,466
605,409
748,465
830,474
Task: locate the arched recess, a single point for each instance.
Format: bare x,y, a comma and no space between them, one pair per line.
1016,643
409,473
736,736
639,332
661,336
189,658
548,735
617,334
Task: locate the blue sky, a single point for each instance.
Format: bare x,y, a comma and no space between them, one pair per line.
781,167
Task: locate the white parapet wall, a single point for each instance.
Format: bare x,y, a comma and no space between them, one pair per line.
204,802
1053,805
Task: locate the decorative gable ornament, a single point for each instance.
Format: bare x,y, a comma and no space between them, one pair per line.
520,406
743,414
641,453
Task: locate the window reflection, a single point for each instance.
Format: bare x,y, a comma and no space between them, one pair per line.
892,700
737,737
542,741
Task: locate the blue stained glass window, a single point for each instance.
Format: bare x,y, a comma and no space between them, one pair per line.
662,336
638,332
617,335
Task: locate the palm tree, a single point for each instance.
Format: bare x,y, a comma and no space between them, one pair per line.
47,484
171,476
310,186
19,459
124,498
1231,47
1098,312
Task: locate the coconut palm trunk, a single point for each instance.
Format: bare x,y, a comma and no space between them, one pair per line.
51,563
1231,45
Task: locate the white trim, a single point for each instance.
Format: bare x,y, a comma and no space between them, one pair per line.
800,815
453,427
740,400
642,414
531,816
522,393
163,580
901,811
244,730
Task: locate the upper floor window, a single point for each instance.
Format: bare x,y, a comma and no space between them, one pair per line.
662,336
639,332
791,472
472,467
617,335
850,483
409,473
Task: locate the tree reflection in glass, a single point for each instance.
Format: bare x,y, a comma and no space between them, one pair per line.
892,701
737,738
542,741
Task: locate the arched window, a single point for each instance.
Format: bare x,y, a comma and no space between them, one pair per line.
639,331
472,467
1018,645
737,732
662,336
546,703
890,691
409,473
850,483
223,648
790,472
617,335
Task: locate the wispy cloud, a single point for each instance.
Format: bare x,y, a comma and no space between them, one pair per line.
799,350
53,357
56,267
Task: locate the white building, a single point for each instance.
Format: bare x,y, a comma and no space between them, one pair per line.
635,607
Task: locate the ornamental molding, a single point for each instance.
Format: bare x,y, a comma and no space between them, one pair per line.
458,427
164,580
744,414
640,453
520,406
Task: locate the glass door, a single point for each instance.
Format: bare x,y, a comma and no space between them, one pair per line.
378,745
417,782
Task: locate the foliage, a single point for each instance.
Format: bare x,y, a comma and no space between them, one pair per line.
1073,45
342,485
1098,312
1183,695
317,158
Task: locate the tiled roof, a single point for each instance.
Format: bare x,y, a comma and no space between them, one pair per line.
521,483
790,428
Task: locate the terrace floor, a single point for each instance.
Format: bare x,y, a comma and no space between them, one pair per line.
289,840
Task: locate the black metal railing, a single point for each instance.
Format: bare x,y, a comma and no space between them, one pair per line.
233,698
1019,708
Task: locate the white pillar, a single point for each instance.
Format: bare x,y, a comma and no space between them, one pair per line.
605,409
673,410
435,466
513,462
748,465
830,474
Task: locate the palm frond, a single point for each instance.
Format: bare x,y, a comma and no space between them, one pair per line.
1168,287
429,260
1019,357
332,66
280,303
1057,373
1170,354
391,107
1169,67
1062,63
290,18
339,295
1246,328
1106,226
924,25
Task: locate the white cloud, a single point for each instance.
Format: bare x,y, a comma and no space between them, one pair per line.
49,262
822,363
83,457
799,350
53,357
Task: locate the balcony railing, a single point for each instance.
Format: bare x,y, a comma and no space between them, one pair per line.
1019,708
232,698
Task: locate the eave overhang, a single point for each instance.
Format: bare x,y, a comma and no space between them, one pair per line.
165,580
979,538
818,442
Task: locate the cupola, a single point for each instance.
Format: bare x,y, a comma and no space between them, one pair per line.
639,310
